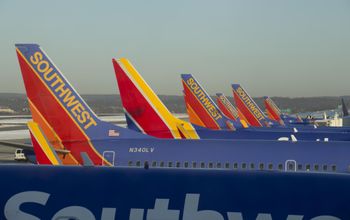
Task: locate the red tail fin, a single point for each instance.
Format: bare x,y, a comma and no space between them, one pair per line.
273,111
200,104
247,106
144,110
56,105
226,107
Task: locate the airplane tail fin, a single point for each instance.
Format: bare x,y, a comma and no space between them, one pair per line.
299,119
247,106
344,108
226,107
229,110
273,112
44,152
200,106
55,104
192,115
144,110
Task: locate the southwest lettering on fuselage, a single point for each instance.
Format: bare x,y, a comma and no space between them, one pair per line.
64,93
161,210
250,104
203,98
228,105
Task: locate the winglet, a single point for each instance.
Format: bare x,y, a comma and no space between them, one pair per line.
293,138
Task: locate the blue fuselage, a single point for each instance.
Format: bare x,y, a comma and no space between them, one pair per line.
89,193
272,134
227,154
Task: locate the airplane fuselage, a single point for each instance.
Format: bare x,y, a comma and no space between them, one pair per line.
271,134
226,154
91,193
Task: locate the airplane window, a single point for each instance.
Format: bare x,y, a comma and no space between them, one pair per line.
194,164
316,167
334,168
146,165
186,164
307,167
218,165
138,163
154,163
252,166
227,165
280,166
202,165
235,166
130,163
270,166
161,164
210,165
170,164
261,166
325,167
300,166
244,166
178,164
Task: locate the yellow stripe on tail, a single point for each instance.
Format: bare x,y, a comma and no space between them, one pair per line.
45,146
175,125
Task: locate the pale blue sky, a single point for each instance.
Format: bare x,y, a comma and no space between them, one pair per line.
272,47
